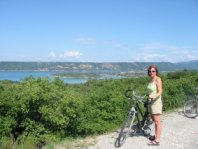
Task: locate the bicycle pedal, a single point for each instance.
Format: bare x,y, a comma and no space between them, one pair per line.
134,127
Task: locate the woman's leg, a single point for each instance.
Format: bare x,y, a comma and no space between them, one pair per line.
158,127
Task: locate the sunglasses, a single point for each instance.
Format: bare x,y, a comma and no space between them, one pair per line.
149,71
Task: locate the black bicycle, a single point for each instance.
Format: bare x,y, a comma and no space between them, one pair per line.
136,121
190,108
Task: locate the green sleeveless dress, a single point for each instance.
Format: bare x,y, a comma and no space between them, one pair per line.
156,105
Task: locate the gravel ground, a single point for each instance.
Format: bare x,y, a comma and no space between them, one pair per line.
178,132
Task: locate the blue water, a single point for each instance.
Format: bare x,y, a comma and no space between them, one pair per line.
19,75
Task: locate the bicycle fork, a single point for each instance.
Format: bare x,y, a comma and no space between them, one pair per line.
133,113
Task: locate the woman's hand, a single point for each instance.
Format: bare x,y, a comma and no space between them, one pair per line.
152,97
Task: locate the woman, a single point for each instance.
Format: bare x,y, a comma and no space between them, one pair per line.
155,92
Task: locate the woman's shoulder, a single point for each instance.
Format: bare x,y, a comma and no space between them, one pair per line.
158,79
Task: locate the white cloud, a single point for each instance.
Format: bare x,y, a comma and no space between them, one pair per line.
71,54
62,55
149,57
52,54
87,41
189,54
156,52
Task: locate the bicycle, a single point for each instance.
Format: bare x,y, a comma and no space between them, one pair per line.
190,108
136,121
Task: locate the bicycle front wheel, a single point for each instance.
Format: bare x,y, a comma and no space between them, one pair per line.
191,109
127,128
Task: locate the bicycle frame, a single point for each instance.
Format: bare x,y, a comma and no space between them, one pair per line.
135,113
143,116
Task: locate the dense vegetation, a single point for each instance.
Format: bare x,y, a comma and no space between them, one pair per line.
37,111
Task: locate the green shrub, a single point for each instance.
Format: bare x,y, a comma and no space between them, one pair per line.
38,111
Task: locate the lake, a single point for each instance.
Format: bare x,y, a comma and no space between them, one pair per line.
19,75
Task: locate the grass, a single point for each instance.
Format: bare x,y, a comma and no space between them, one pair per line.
73,143
10,143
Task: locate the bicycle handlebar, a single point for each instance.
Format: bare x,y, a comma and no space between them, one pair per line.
134,96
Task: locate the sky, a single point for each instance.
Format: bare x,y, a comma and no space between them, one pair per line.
99,30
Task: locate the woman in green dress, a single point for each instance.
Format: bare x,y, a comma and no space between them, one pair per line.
155,92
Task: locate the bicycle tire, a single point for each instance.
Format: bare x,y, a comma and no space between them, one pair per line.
191,109
127,126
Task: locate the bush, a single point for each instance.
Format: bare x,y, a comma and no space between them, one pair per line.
38,110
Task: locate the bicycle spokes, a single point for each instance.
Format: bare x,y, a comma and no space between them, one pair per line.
127,129
191,109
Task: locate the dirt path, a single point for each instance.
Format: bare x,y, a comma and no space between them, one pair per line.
178,132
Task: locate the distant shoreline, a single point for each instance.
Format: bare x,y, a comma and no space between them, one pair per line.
76,75
95,66
31,70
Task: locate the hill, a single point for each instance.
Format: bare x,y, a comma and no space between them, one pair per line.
92,66
188,65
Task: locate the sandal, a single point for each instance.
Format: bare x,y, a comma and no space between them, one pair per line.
151,138
154,143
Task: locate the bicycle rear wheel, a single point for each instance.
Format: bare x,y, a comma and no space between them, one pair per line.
127,128
191,109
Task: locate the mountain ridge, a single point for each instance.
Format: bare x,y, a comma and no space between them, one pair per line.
95,66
